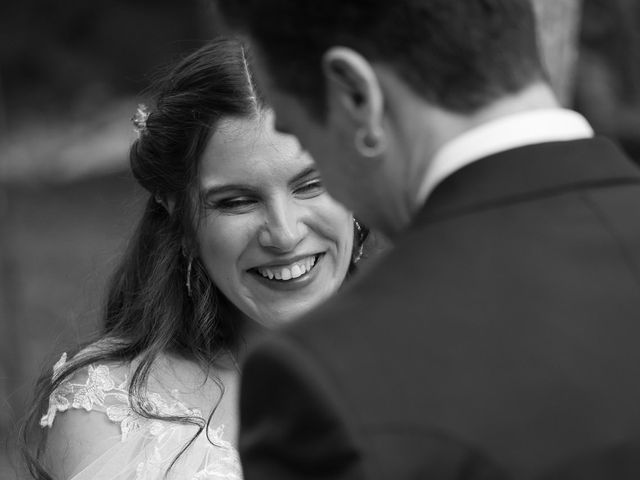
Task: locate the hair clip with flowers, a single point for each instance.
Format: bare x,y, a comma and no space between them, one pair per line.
139,119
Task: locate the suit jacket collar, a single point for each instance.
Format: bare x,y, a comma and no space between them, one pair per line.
501,134
528,171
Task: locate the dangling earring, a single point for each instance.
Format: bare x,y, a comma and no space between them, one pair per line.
359,234
188,282
369,143
189,260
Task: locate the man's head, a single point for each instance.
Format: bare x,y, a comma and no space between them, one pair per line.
336,70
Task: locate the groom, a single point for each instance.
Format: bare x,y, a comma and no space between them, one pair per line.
500,338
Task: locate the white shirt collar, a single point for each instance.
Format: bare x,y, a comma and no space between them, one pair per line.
505,133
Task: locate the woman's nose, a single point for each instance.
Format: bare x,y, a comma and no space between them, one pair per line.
284,228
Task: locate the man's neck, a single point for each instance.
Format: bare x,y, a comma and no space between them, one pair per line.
536,97
419,129
443,126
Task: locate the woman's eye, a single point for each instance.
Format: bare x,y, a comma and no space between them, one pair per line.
310,189
234,205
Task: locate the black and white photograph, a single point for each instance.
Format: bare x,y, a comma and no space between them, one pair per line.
337,239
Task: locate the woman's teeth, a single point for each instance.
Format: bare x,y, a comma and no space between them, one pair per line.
289,272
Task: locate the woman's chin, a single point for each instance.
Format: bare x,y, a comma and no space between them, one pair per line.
282,313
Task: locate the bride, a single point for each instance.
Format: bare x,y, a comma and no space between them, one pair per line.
238,234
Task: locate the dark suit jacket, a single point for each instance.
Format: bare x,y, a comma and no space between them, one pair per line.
499,339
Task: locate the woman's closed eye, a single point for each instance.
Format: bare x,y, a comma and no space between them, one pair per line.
235,205
310,189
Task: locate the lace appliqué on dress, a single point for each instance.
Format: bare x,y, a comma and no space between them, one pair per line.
98,392
96,388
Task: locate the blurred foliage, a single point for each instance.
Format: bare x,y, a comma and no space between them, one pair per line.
558,25
607,81
69,57
610,30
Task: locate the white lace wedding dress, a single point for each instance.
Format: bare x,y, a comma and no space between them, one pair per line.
147,447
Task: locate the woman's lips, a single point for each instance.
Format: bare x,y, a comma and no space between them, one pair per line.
293,275
287,272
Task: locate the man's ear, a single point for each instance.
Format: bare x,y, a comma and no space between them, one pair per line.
353,86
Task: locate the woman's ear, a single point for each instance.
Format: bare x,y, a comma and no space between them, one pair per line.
353,89
168,203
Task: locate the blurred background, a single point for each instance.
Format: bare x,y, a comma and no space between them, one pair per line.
71,74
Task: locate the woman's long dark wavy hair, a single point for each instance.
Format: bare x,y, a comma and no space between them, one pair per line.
148,309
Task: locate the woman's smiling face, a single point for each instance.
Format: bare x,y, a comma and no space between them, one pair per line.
271,238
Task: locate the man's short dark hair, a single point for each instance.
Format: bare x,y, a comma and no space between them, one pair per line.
459,54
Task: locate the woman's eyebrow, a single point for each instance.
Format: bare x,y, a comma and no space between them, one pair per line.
312,170
241,188
215,190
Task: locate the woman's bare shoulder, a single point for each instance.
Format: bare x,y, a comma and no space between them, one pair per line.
78,438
